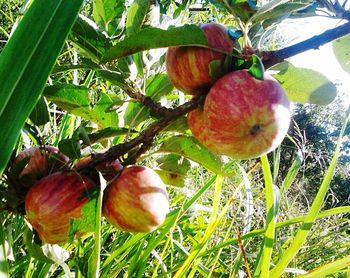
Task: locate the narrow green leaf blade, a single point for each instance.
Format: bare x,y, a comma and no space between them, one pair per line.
184,35
270,219
26,61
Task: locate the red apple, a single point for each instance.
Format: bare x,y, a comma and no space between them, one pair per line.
136,201
188,66
242,117
55,200
41,162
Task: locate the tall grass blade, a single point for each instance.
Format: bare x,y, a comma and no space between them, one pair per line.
213,222
4,269
26,61
94,260
270,218
304,230
296,220
327,269
292,172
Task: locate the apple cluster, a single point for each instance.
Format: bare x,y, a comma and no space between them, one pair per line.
134,200
243,117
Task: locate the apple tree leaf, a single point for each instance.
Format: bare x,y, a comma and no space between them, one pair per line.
257,68
140,41
40,115
108,14
190,148
89,39
171,178
76,100
342,52
305,85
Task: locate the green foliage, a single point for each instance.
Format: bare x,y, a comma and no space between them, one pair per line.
341,51
228,218
305,85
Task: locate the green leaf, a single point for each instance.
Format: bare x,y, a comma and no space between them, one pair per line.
91,42
136,15
76,100
189,147
342,52
278,9
109,14
173,169
244,9
70,147
4,267
87,221
96,215
26,61
257,68
184,35
292,173
34,249
114,77
171,178
215,69
270,218
305,85
40,115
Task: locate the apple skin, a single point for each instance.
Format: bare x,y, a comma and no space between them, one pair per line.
242,117
136,201
188,66
41,162
52,202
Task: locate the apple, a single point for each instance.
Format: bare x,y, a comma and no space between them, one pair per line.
41,162
136,201
242,117
109,170
188,66
55,200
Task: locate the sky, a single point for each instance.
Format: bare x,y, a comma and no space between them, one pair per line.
322,60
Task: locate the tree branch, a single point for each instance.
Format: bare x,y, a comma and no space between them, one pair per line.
146,136
147,101
271,58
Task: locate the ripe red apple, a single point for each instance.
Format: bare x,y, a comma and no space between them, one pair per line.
55,200
41,162
242,117
188,66
136,201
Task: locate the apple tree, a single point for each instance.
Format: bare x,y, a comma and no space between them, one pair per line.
107,105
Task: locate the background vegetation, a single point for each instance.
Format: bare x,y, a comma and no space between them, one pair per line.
79,83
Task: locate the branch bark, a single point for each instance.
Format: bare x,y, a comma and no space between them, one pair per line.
271,58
